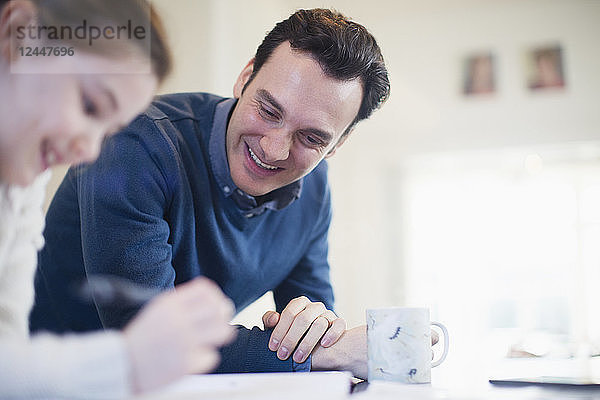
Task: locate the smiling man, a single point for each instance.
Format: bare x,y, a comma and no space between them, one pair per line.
232,189
274,139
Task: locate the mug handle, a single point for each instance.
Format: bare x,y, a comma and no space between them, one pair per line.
445,353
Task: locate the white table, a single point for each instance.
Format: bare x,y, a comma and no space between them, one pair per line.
336,386
385,391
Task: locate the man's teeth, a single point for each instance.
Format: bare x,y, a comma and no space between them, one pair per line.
260,163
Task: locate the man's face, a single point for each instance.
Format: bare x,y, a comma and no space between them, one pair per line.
288,119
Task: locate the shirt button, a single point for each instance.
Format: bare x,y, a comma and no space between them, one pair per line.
226,189
249,215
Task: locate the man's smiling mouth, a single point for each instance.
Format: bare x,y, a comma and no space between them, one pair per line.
260,163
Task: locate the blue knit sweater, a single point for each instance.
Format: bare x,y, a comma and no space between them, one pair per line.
151,209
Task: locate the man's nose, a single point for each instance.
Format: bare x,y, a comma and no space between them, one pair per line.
276,145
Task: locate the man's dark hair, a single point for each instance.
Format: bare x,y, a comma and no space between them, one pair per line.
344,49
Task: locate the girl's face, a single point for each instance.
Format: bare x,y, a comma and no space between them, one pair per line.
62,116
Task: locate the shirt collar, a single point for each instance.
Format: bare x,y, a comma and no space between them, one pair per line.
275,200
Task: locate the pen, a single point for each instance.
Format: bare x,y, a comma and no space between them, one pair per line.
108,290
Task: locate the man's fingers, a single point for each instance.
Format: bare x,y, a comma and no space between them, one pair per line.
316,331
434,337
334,333
270,319
286,319
300,326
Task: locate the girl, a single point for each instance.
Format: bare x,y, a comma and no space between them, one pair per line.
72,71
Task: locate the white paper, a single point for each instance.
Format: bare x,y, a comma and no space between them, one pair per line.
263,386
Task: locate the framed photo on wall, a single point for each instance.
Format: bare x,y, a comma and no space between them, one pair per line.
479,74
545,68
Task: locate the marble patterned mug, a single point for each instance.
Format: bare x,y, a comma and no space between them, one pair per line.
399,344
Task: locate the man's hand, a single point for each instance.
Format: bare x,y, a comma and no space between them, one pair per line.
435,337
302,325
349,353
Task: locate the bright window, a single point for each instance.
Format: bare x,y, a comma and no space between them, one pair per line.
504,247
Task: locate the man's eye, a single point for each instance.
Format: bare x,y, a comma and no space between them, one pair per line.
312,140
267,113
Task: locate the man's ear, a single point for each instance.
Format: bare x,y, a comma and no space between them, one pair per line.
15,16
339,143
243,78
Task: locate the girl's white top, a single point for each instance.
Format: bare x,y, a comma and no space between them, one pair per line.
84,366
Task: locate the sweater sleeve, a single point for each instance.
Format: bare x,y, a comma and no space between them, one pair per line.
122,200
20,239
250,353
91,366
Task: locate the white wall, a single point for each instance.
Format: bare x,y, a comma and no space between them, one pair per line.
423,43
